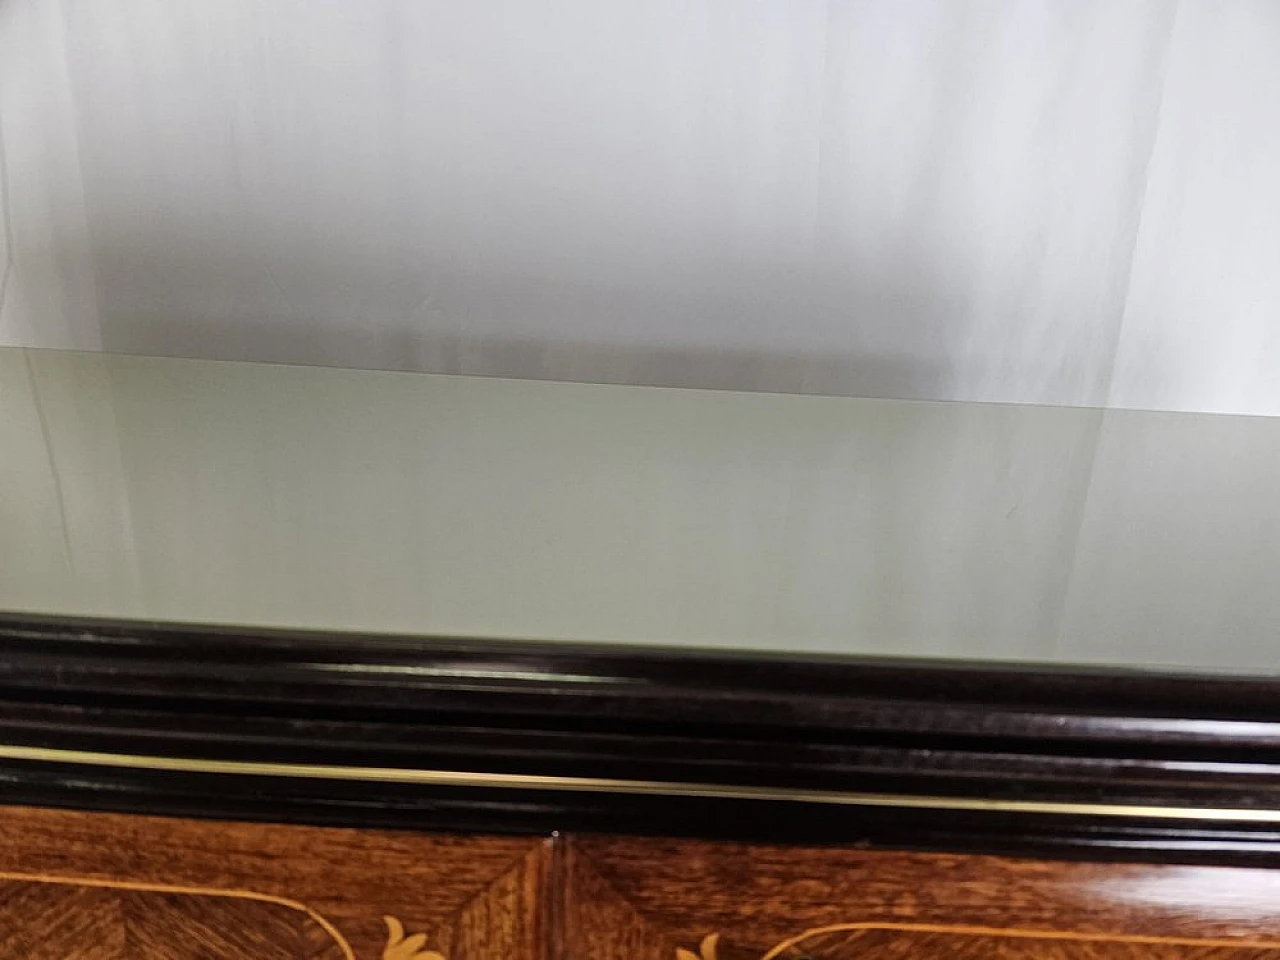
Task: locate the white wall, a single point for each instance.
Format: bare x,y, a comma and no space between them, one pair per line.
1069,201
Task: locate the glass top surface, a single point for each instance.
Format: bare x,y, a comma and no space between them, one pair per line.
265,495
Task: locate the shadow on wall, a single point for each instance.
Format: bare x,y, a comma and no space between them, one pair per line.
407,350
195,295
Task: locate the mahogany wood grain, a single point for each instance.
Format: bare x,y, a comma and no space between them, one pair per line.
92,886
114,887
691,900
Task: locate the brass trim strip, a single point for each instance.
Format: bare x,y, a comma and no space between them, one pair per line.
658,788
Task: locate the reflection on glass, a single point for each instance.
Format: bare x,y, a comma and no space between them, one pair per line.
352,500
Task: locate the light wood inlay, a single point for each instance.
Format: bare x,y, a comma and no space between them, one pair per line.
853,941
656,899
111,887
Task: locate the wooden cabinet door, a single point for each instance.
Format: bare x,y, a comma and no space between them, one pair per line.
688,900
92,886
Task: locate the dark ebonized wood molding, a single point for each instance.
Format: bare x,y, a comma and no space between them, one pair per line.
499,736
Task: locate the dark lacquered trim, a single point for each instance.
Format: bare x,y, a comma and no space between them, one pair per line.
977,756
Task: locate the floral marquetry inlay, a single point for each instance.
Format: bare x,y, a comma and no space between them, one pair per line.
401,947
706,950
105,886
182,923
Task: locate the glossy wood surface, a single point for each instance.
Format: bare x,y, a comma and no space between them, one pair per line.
78,886
472,736
694,900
